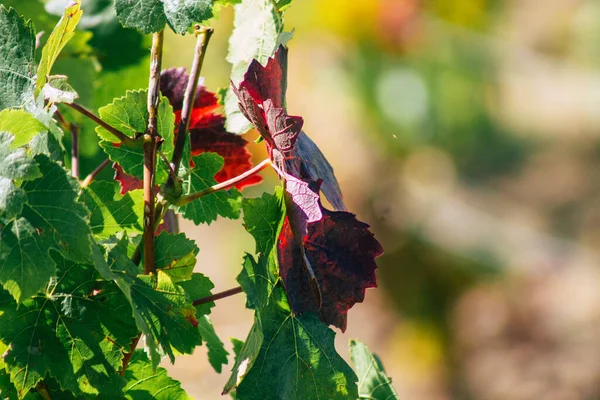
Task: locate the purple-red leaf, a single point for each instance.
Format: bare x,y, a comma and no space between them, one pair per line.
261,96
341,251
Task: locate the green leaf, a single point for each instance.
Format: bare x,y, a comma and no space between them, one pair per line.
257,26
284,355
175,255
132,160
17,59
297,360
25,265
144,382
146,16
263,218
111,212
52,207
373,382
181,14
149,16
167,312
51,218
73,332
199,287
245,357
15,163
21,124
129,114
62,33
225,203
217,355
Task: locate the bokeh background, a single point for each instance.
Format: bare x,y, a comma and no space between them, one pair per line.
467,133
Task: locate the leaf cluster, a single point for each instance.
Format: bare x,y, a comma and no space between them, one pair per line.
76,301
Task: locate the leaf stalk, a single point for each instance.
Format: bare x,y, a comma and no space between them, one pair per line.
182,201
120,135
217,296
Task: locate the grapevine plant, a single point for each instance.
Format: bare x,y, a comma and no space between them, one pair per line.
98,285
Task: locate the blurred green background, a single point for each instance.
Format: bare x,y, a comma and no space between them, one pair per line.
467,133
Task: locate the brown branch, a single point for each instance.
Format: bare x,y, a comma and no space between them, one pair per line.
182,201
88,179
84,111
202,38
151,142
217,296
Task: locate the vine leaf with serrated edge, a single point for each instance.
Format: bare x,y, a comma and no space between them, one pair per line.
225,203
146,382
271,362
373,382
17,59
129,114
74,332
51,218
111,213
149,16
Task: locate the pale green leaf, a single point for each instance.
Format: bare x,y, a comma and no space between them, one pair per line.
21,124
62,33
17,59
257,26
373,383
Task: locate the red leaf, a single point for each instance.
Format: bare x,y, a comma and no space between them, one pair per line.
173,82
207,127
229,146
261,96
341,251
126,181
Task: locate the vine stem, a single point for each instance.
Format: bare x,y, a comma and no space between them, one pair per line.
88,179
217,296
151,142
84,111
182,201
203,35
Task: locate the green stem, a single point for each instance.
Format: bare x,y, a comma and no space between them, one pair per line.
182,201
